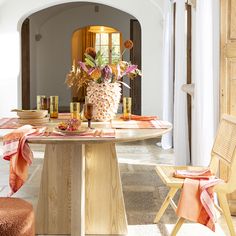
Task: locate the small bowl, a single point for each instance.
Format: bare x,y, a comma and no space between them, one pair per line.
32,114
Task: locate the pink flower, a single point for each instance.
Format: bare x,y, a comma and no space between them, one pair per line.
83,66
131,68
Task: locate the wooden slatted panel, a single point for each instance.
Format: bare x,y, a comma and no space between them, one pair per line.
232,86
232,19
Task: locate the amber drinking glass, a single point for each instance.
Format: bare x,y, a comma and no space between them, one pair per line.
41,102
88,113
75,110
54,106
127,103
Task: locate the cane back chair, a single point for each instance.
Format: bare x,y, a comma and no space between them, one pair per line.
223,153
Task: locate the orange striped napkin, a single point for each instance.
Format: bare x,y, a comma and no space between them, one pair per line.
198,193
17,151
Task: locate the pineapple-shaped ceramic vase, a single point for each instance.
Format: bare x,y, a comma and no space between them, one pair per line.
105,98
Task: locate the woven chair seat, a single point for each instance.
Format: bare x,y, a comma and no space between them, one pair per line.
16,217
166,172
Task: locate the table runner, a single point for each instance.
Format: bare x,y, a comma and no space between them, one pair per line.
141,118
134,124
9,123
12,123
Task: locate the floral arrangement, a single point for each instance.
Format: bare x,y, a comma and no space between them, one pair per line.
95,69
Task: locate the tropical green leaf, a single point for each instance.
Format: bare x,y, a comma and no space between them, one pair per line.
89,57
98,54
99,59
89,62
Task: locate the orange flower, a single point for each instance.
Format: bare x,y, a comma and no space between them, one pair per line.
96,74
91,51
128,44
114,70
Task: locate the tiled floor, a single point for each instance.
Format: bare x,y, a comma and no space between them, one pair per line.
134,159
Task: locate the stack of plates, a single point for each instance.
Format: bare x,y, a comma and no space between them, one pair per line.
32,117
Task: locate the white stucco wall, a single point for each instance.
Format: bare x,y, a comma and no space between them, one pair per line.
148,13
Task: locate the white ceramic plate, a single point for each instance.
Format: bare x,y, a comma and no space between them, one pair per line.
79,131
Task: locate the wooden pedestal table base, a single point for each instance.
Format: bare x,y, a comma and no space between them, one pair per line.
105,210
60,207
67,180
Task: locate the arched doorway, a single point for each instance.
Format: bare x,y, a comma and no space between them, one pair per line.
49,57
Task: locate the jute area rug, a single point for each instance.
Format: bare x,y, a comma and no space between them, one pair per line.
144,193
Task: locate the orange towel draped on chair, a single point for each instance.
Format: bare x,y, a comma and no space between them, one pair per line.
17,151
196,201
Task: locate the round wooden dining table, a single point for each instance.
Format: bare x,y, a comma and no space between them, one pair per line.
80,190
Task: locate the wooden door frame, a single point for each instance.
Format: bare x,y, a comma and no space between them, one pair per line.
188,9
25,64
189,72
135,57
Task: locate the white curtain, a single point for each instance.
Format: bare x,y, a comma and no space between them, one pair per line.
181,141
166,141
205,111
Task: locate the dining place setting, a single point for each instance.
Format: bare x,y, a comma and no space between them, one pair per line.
74,123
79,122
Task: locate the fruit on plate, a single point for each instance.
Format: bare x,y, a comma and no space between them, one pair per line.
62,125
70,125
73,124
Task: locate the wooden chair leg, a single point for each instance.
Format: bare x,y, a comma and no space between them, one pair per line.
225,208
177,226
165,204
